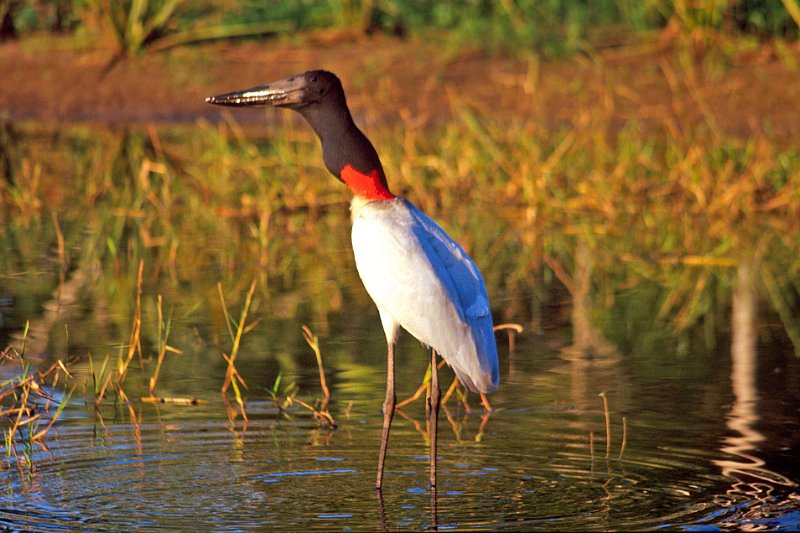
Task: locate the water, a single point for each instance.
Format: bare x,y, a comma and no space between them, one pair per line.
694,457
704,423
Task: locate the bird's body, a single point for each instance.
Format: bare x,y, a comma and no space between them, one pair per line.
419,278
422,280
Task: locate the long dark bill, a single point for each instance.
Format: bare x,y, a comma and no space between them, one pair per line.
285,92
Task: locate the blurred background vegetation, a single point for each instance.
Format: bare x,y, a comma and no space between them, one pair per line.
549,27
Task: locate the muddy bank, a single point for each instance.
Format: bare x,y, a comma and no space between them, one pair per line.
389,79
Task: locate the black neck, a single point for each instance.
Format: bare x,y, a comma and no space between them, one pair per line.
342,142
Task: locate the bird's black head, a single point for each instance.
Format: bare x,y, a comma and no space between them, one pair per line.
295,92
319,97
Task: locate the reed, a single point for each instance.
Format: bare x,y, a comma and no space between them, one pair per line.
30,404
232,377
107,379
284,399
135,342
163,347
512,330
607,423
321,412
607,417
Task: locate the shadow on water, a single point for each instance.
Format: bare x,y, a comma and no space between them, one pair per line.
654,384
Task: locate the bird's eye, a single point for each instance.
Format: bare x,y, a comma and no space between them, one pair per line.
313,78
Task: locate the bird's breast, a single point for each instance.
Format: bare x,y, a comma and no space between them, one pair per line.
389,255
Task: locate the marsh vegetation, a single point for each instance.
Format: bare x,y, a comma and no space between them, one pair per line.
184,293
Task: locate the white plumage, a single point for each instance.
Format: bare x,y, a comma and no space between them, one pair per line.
423,281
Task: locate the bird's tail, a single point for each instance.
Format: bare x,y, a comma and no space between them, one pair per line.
477,369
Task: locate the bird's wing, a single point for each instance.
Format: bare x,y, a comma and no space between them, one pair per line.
465,288
459,276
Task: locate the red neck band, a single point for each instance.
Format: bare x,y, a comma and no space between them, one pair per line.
368,186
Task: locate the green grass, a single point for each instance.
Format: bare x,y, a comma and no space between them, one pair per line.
548,27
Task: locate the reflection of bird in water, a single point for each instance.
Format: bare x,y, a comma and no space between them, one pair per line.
419,278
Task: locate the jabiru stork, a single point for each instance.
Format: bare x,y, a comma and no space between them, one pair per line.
420,279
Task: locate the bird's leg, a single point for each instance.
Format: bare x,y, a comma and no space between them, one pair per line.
381,511
433,403
388,412
434,514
